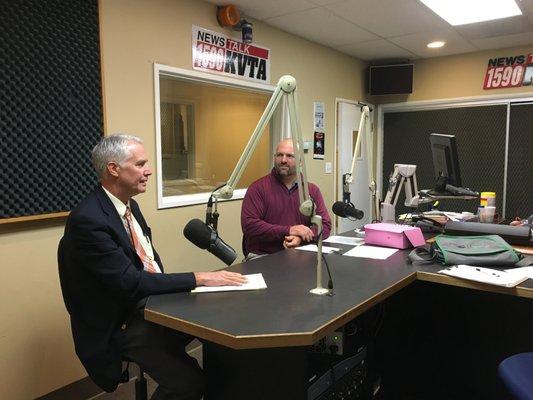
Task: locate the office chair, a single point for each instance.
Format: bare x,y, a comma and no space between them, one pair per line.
517,374
141,390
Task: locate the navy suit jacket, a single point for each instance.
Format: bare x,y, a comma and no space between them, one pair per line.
103,283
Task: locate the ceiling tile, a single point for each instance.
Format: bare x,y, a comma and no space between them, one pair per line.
526,5
500,27
375,50
262,9
417,43
356,26
519,39
321,26
389,18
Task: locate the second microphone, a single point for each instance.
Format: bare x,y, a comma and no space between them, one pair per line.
346,210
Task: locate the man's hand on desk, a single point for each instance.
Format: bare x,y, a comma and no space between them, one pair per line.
292,241
219,278
303,231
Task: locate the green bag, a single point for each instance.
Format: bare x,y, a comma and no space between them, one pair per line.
470,250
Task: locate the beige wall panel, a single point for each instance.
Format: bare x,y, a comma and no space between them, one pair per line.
36,349
455,76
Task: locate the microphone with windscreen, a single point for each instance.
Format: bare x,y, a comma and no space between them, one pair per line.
345,210
205,237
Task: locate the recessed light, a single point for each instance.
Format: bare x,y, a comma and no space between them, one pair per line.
436,45
460,12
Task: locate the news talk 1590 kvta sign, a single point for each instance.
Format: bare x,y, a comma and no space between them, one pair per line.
220,54
507,72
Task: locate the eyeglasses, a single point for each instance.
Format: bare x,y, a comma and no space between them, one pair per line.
281,155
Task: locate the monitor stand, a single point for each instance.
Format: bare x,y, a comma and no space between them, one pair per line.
443,189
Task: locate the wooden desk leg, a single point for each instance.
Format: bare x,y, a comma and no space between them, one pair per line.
277,373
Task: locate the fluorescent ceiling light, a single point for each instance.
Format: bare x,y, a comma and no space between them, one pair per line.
436,45
460,12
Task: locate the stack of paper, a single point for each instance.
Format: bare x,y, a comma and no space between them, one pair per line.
352,241
255,281
377,253
506,278
313,247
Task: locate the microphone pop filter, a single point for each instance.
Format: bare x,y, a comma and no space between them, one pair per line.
339,208
347,210
198,233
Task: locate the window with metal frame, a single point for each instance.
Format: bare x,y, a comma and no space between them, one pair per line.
203,123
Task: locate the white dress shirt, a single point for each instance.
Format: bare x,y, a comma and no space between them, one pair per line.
143,239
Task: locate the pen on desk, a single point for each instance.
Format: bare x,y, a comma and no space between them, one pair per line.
491,273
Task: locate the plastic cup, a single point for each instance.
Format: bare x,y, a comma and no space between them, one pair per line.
486,214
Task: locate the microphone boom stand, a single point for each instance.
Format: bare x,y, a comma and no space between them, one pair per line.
286,87
347,178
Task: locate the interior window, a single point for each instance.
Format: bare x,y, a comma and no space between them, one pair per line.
203,128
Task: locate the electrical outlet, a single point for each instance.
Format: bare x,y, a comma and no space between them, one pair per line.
334,343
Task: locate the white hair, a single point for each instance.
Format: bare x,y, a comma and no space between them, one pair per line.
112,148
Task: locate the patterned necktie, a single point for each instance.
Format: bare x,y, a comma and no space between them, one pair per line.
147,262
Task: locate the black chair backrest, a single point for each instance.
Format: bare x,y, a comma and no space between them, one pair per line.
62,269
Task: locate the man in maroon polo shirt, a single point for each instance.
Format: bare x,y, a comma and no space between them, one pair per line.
270,216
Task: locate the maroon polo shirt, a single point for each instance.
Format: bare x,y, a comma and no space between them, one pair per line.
269,209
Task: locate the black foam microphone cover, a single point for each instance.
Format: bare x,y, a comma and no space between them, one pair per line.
204,237
345,210
197,232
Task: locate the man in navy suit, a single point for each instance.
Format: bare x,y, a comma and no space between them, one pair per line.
108,267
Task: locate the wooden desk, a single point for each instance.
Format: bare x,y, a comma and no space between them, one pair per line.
256,339
285,314
430,274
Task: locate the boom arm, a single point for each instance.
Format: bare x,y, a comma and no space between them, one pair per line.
348,178
402,175
286,87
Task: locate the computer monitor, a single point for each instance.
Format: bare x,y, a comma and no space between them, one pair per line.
445,160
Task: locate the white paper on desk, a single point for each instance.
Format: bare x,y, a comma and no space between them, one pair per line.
313,247
377,253
526,271
351,241
507,278
255,281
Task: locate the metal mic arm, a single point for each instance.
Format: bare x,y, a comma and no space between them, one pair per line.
286,87
402,175
345,190
211,217
348,178
307,206
405,175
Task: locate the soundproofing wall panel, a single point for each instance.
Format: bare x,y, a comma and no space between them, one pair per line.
50,104
480,134
520,164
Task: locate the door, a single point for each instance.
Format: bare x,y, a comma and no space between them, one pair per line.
349,115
